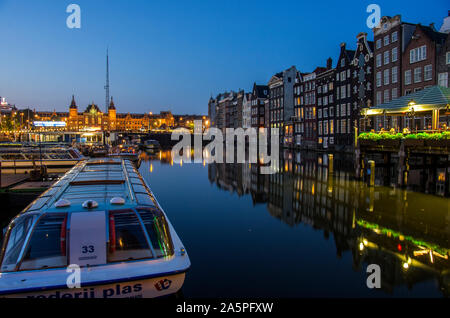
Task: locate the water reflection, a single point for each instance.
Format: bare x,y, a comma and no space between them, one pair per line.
406,233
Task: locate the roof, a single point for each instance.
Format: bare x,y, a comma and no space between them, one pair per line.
260,91
435,97
99,180
92,107
434,35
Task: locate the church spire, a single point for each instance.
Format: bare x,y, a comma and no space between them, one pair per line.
111,104
73,104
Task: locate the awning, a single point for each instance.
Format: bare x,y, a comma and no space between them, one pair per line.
428,99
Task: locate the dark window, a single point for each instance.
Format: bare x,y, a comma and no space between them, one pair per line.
47,246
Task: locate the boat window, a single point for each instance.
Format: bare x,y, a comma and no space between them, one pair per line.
38,203
139,188
144,199
158,231
15,240
47,246
127,239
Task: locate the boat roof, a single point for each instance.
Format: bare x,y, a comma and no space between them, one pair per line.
99,180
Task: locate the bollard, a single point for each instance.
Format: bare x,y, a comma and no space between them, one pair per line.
330,163
372,173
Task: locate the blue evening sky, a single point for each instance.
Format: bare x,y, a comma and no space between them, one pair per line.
173,54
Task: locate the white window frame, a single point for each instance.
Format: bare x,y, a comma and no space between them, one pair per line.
408,77
428,69
394,76
417,75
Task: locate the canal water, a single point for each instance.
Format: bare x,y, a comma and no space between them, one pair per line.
301,232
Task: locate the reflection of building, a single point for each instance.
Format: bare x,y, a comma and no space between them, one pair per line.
409,241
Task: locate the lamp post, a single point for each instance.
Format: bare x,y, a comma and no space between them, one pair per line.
412,113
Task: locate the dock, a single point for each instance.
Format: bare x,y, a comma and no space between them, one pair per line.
429,159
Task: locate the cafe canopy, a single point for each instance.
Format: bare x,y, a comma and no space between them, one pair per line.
432,99
428,99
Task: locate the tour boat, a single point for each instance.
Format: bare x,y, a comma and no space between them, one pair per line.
99,232
98,151
129,152
24,158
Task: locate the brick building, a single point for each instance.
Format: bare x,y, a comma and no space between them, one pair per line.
258,97
281,104
325,106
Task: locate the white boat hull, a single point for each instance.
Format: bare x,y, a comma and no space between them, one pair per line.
145,288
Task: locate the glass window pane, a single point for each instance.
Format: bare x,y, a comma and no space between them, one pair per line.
16,239
158,231
47,246
127,239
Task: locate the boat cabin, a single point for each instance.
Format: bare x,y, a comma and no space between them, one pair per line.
101,212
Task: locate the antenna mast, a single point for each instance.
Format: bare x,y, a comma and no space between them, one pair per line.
107,81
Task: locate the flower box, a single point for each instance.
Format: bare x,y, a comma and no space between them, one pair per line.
435,143
414,142
368,143
390,142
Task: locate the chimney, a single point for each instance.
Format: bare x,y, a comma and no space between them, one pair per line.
329,63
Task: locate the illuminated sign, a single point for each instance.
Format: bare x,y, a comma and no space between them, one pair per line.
49,123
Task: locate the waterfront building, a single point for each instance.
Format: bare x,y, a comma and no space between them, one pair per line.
391,37
239,108
247,111
443,63
362,80
443,58
281,98
420,58
306,118
419,62
326,99
212,111
345,98
258,97
93,119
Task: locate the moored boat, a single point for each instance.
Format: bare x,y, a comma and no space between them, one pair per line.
99,223
24,158
152,145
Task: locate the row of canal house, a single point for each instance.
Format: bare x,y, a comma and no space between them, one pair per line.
327,107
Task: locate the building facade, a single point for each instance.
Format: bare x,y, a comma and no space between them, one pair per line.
326,99
281,104
391,37
93,119
258,97
362,81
